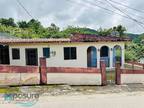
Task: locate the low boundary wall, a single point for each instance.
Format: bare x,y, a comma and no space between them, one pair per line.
28,75
74,76
125,76
19,75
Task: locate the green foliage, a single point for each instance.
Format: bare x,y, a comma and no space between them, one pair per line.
22,24
7,22
119,30
104,32
34,29
134,51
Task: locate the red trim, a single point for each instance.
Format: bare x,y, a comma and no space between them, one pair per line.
103,73
71,70
136,63
128,71
118,74
18,69
43,73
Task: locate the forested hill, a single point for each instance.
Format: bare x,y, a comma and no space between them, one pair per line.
34,29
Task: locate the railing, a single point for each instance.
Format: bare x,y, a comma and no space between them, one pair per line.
106,60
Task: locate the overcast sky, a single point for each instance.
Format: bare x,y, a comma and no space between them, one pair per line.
84,13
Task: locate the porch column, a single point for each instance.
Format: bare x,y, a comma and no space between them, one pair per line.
111,57
123,58
98,58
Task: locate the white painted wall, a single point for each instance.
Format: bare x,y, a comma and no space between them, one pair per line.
132,78
74,79
58,59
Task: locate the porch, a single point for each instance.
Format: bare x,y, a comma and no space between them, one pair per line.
110,55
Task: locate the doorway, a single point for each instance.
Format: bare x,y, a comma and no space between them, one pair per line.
4,54
117,55
31,56
91,57
104,55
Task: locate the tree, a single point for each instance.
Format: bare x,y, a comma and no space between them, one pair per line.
104,32
35,25
7,22
53,31
121,30
22,24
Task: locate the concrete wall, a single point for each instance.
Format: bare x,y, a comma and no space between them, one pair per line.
74,78
58,59
19,78
132,78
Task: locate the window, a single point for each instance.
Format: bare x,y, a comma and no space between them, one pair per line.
15,53
46,52
69,53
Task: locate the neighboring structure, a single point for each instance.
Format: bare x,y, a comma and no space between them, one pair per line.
141,60
4,35
78,51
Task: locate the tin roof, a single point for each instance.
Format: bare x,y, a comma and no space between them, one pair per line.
74,38
96,38
6,41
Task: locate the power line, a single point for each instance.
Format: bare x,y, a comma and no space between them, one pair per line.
141,11
94,4
138,22
125,16
29,14
139,16
108,10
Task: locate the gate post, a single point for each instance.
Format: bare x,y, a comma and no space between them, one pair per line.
118,74
103,73
43,72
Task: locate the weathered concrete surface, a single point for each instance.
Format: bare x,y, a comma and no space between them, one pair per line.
19,78
64,96
126,100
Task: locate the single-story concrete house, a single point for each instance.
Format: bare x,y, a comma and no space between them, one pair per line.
77,51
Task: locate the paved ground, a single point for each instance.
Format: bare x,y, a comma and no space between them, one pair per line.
63,96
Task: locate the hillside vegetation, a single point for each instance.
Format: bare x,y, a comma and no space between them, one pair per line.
34,29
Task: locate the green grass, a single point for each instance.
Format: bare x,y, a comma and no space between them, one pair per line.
110,75
9,89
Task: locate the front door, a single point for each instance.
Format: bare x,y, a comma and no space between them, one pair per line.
31,56
4,54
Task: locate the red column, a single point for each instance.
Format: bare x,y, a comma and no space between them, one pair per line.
103,73
43,71
118,74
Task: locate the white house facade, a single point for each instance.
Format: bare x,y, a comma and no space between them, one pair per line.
86,52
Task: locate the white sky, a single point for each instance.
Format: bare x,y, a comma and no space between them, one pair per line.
83,13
